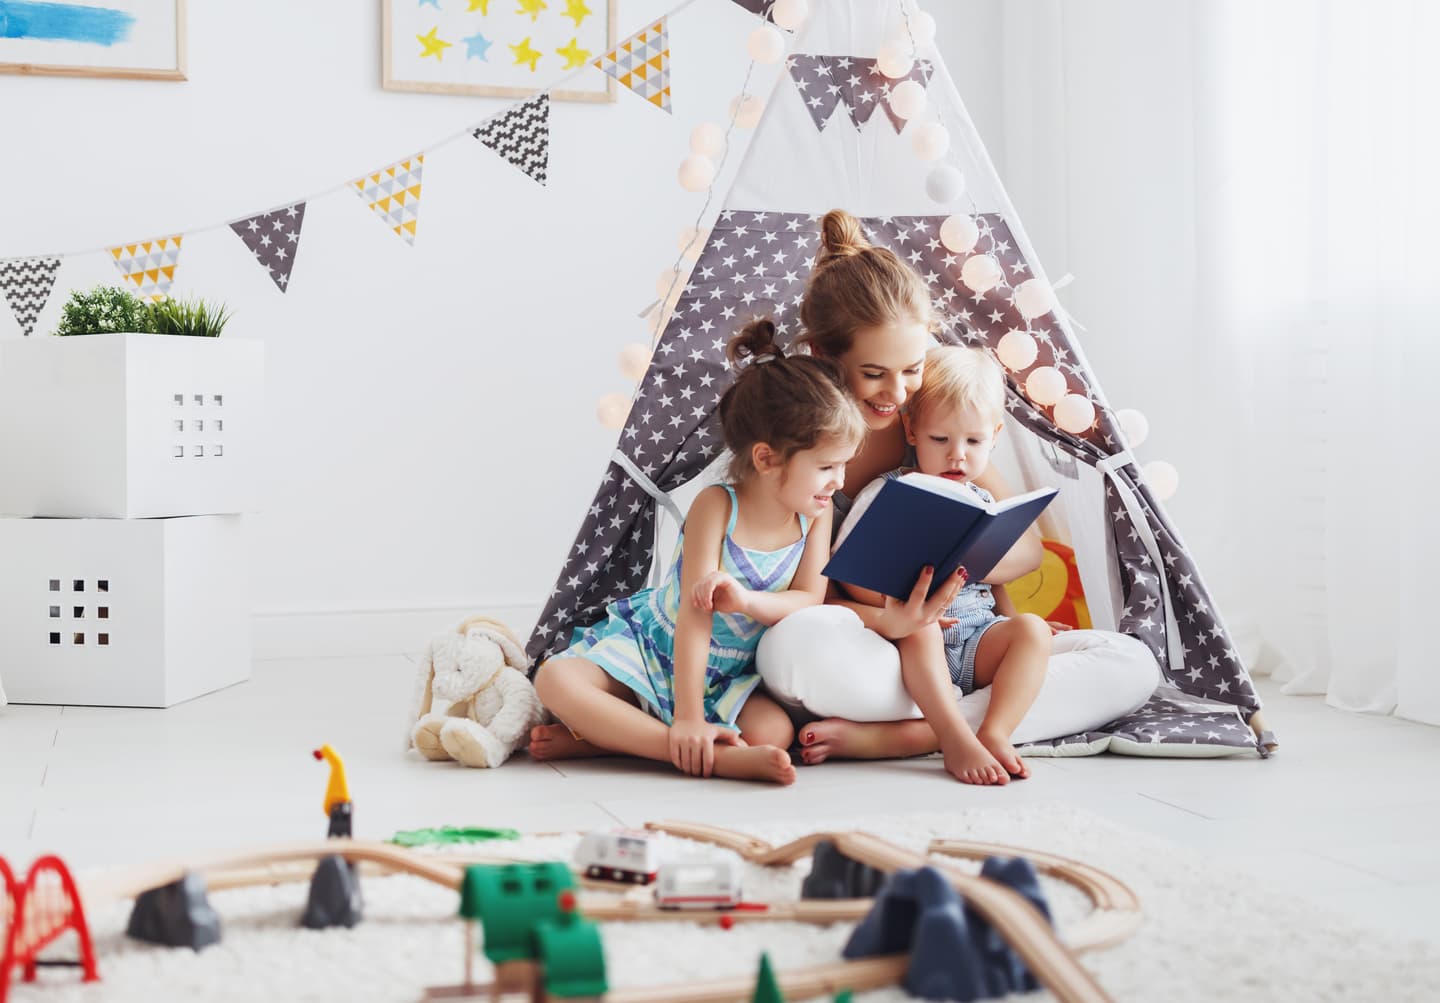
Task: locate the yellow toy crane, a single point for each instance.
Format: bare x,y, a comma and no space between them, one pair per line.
338,807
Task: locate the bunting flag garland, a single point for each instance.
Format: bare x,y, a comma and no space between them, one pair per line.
854,81
27,283
274,237
522,136
149,265
760,7
642,63
393,193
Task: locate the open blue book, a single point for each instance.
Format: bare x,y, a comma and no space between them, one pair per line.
920,519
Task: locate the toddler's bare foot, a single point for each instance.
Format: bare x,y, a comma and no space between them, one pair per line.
970,762
754,762
841,739
1004,753
554,741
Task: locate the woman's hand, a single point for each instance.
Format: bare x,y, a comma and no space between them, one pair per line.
1056,626
903,619
718,592
692,745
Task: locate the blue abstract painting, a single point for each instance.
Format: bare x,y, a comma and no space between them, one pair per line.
117,38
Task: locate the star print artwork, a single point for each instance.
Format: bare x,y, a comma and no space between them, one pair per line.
505,48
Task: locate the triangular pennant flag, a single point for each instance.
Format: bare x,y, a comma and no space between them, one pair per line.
817,78
760,7
920,72
522,136
863,88
273,237
27,283
377,191
642,64
149,265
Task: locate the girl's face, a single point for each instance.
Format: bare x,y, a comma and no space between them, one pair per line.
809,478
884,366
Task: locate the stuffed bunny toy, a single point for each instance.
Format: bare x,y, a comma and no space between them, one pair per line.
473,702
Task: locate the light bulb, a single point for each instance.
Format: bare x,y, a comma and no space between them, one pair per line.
945,184
1134,424
746,110
981,273
692,242
960,234
929,140
707,140
790,14
1017,350
633,360
696,173
907,99
766,44
1034,298
922,28
896,58
1045,386
612,410
1075,414
666,281
1164,479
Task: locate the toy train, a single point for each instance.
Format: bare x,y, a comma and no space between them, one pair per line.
709,882
624,855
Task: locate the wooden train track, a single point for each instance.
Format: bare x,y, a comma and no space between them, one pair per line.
1049,955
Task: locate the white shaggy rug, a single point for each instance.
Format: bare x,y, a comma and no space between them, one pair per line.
1208,934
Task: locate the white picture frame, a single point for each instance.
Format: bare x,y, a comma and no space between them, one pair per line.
131,39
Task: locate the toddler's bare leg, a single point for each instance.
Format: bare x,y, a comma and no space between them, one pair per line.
927,678
1011,660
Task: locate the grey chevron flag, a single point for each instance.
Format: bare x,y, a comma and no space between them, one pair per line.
27,283
522,136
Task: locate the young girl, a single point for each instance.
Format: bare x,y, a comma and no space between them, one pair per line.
670,674
951,422
868,311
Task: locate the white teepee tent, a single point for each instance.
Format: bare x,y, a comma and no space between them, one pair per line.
828,139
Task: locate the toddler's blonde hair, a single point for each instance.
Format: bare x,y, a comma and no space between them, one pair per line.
957,375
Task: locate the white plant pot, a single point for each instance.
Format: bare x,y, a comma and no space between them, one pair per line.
123,612
127,426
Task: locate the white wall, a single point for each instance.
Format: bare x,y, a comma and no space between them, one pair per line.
432,435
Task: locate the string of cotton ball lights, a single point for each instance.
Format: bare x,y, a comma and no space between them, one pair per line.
698,171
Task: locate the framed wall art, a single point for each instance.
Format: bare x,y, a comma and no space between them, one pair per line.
137,39
501,48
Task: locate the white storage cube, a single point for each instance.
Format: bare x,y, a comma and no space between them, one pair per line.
123,612
129,426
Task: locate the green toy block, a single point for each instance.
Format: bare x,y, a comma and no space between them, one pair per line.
767,989
571,955
844,996
508,900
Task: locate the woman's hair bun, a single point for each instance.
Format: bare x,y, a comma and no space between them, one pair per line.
840,235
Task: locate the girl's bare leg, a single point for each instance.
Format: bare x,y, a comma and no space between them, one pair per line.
762,721
593,703
1011,660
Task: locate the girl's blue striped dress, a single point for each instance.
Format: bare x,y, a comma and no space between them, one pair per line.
636,641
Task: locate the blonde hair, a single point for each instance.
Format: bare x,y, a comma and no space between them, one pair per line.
790,402
958,375
856,285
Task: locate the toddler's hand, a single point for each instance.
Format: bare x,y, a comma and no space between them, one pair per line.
718,592
692,745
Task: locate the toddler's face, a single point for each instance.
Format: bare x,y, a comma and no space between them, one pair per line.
952,442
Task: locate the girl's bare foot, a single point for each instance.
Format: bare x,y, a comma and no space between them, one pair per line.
841,739
754,762
970,762
554,741
1004,753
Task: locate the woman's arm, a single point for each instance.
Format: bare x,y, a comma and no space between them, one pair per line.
1028,551
704,536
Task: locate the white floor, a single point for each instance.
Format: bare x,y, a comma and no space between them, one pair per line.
1347,813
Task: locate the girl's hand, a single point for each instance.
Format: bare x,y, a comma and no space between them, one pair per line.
718,592
692,745
903,619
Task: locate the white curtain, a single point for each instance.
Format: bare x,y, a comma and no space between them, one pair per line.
1249,196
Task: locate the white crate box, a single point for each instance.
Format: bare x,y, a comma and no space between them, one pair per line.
129,426
123,612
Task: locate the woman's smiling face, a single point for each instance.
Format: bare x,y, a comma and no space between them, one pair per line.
884,366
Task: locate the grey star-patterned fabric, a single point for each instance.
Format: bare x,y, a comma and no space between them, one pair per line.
522,136
27,283
761,7
855,82
756,265
273,237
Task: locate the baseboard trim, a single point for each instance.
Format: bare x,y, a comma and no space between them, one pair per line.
355,631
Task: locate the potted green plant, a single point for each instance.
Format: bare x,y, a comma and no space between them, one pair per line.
114,310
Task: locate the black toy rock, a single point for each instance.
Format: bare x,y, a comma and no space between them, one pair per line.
176,915
335,898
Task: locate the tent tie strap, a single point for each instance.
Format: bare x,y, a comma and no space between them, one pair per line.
662,497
